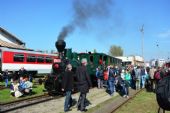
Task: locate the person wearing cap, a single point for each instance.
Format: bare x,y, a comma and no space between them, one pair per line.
67,86
83,83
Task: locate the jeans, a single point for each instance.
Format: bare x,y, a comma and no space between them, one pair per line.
127,91
111,85
100,83
123,89
6,82
143,81
138,84
68,100
127,84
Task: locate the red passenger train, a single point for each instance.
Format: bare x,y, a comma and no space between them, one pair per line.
14,59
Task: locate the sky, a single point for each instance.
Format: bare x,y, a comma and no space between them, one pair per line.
39,23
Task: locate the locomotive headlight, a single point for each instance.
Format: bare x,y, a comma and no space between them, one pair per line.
56,66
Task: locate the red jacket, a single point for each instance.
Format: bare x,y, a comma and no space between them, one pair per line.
105,75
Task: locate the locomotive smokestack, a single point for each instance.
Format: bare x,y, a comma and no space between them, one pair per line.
60,45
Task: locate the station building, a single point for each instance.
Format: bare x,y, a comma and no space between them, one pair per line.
132,60
158,62
9,40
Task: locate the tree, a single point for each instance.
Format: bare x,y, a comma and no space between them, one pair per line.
115,51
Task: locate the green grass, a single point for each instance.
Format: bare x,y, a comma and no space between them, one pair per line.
3,83
144,102
5,95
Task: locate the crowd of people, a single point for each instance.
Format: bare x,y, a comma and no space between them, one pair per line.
136,77
114,79
20,83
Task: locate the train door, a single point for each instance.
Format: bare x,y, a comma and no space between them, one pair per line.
91,59
100,60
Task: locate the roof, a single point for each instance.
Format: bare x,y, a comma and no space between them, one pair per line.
25,51
11,35
10,45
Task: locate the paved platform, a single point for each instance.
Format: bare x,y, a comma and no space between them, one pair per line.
95,96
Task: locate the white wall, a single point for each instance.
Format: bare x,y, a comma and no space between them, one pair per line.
7,38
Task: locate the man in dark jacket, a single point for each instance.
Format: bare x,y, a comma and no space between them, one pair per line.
83,83
22,72
67,86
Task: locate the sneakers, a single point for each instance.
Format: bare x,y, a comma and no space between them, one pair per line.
84,110
124,96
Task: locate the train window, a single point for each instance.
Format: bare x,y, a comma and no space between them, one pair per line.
18,58
40,59
48,60
105,58
91,58
31,58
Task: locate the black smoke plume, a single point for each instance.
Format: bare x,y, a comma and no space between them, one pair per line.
83,10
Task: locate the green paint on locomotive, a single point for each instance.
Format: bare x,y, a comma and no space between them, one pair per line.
93,59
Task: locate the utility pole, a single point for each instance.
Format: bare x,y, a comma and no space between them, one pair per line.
168,57
157,45
157,60
142,37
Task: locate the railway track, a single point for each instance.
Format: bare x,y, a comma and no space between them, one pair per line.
4,107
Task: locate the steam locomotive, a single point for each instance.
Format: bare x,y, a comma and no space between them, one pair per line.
54,80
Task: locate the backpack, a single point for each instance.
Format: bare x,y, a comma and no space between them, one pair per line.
163,93
157,75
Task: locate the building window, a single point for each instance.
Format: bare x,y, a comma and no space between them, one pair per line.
31,58
18,57
40,59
